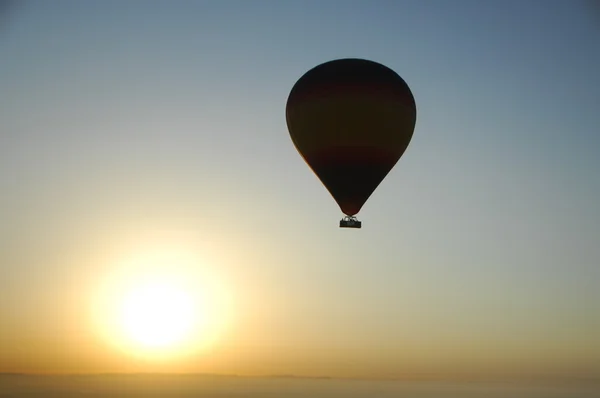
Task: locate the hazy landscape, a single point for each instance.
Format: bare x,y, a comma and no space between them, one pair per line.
148,385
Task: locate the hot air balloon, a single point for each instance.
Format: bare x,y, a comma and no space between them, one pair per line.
351,120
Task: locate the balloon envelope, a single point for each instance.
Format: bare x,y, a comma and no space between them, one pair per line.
351,120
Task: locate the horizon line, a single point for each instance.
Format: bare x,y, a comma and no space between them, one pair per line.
432,376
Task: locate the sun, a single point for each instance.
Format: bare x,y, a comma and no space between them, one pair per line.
162,304
158,314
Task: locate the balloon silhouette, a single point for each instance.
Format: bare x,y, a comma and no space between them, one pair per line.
351,120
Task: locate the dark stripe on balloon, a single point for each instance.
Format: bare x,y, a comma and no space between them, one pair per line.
379,92
346,74
349,70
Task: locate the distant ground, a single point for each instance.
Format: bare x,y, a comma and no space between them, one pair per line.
165,386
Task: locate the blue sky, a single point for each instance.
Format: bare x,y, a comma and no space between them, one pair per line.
122,120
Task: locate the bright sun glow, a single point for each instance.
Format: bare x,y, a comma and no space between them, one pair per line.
158,315
162,304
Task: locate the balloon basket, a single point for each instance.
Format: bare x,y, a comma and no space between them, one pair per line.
350,222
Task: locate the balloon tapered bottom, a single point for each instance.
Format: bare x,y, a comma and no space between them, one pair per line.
350,222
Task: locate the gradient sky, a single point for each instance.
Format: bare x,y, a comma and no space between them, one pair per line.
129,125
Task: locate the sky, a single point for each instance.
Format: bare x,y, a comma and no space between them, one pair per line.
144,130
